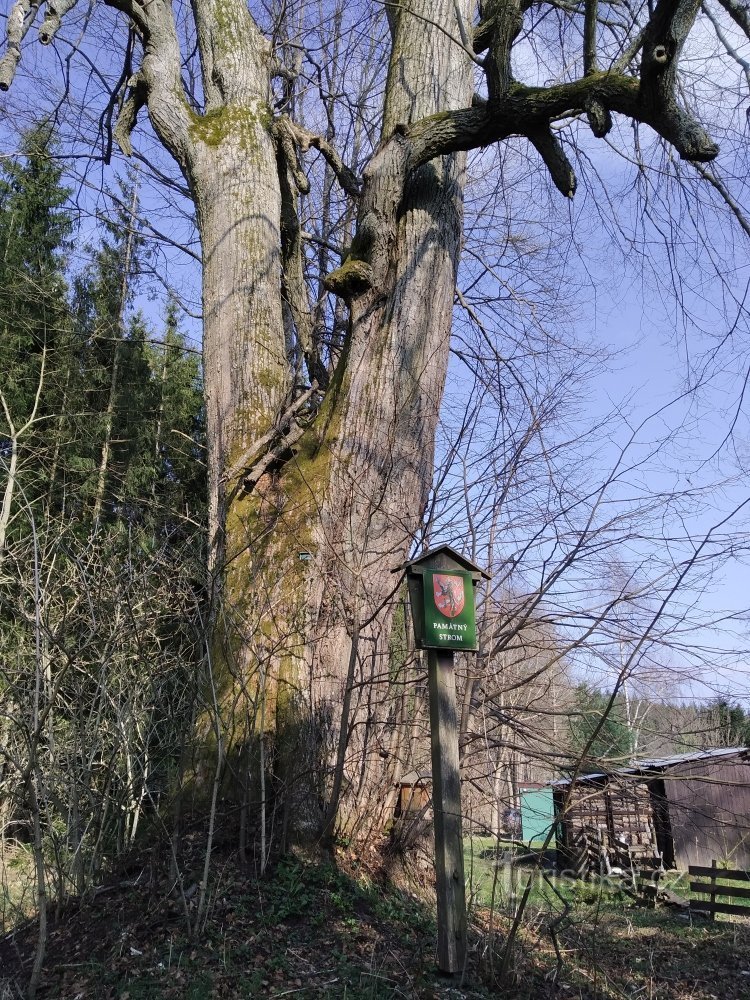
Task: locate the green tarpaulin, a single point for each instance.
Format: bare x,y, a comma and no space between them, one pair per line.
537,813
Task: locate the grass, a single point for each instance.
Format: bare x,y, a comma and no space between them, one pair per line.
494,880
357,930
610,948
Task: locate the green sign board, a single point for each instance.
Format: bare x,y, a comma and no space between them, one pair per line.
449,614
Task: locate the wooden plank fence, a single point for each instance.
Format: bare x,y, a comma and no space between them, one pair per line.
717,885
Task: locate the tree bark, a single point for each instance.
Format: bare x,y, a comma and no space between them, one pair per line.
378,429
351,491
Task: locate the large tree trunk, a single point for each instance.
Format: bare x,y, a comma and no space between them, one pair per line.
380,426
352,490
246,373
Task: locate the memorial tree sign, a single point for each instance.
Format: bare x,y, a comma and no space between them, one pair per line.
449,611
441,592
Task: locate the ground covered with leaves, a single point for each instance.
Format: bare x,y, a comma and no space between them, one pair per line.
359,926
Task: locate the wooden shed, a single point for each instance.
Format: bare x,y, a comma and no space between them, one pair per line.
685,810
414,793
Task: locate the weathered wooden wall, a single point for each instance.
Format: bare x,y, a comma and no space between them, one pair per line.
612,811
709,812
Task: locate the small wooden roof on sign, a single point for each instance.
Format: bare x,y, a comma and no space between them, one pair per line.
426,561
414,778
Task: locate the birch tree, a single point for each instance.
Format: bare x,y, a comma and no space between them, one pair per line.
321,447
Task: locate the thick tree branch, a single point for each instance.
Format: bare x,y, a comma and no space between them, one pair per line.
277,455
292,181
286,141
54,13
158,83
739,13
654,103
309,140
484,30
599,118
289,137
126,120
527,110
159,78
589,37
255,461
483,35
550,149
506,19
20,20
663,40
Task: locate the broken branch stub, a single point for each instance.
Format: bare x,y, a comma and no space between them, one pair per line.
55,12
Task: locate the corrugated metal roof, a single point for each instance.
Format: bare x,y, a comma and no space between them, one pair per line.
682,758
661,763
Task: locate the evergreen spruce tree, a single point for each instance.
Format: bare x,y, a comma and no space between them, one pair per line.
35,224
727,722
97,601
178,477
599,733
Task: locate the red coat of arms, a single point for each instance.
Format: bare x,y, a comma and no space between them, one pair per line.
449,594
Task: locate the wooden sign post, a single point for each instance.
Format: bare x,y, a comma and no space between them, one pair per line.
441,592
